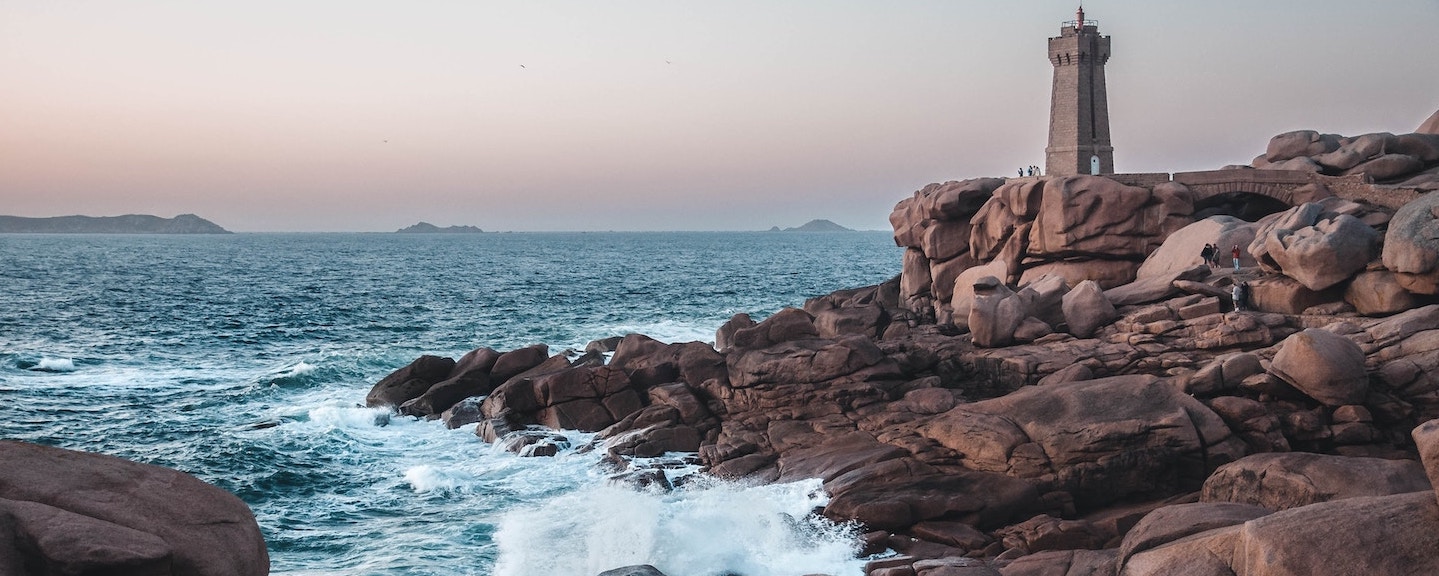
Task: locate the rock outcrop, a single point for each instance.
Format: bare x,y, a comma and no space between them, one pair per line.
1405,160
1315,244
1056,383
1079,228
1280,481
1098,440
1411,246
66,512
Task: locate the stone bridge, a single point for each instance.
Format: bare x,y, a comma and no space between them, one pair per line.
1277,184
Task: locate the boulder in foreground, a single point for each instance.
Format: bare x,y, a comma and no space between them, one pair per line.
67,512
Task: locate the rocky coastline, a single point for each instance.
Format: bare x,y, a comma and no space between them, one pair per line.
1057,383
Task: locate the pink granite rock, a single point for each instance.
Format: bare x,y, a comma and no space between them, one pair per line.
1280,481
70,512
1378,293
963,300
995,314
1086,309
1426,438
1300,164
1323,254
1180,250
1096,216
944,275
1171,523
1107,273
1063,563
1388,167
1430,125
1425,147
1367,535
1411,245
1286,295
1099,440
409,382
1356,151
1000,218
1324,366
1300,143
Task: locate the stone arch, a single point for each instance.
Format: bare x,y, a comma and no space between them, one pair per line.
1245,193
1248,206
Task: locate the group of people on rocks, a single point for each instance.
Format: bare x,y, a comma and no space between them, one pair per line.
1210,255
1240,290
1029,171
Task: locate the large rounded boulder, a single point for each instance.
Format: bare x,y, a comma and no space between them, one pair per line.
1378,293
1320,244
67,512
1411,245
1324,366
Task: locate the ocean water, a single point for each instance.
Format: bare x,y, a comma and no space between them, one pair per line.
245,359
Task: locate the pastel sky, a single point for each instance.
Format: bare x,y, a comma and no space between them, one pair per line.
357,115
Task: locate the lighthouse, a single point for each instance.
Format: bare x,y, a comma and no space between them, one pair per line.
1078,104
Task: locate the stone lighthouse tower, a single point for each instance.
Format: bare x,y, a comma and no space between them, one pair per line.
1078,105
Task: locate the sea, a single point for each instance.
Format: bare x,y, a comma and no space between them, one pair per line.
245,359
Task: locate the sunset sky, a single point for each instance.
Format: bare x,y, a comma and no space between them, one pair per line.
356,115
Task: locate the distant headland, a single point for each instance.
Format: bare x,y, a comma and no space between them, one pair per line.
127,224
428,228
814,226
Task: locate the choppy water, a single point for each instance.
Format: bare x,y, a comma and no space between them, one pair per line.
170,349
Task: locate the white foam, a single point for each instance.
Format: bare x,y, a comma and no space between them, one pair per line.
48,364
427,478
718,529
299,368
350,417
668,331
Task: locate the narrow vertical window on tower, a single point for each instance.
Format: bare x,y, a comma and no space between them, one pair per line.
1079,104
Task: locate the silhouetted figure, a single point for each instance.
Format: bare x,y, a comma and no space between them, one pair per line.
1207,254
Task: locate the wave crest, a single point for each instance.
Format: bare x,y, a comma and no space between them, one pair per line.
48,364
720,529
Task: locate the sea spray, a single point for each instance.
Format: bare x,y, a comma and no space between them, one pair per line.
704,528
48,364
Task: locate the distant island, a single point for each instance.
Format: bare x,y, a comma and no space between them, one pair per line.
814,226
428,228
127,224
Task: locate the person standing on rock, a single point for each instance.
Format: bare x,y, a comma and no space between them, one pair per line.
1235,253
1207,255
1237,295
